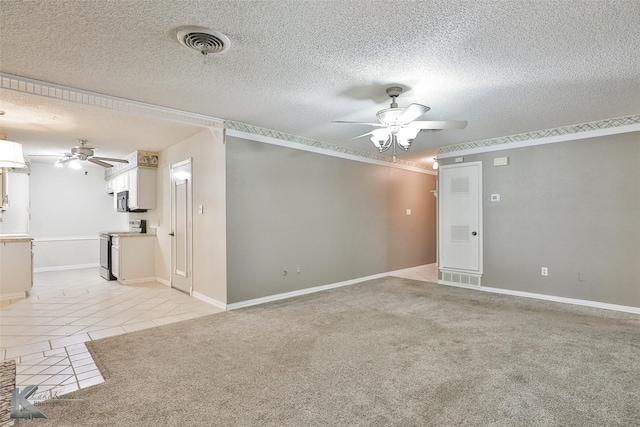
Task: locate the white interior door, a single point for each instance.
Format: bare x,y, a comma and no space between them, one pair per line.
181,226
460,217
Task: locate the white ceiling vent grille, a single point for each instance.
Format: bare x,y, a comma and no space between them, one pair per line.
203,39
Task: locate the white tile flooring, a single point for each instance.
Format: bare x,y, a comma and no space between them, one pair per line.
45,332
424,273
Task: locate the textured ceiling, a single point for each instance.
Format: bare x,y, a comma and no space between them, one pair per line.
294,66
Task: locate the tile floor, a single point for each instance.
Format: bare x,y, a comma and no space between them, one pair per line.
424,273
45,332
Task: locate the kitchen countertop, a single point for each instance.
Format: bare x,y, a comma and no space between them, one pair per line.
127,234
9,238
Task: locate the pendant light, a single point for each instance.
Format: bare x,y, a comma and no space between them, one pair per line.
10,154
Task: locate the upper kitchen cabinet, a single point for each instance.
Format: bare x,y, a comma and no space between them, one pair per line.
138,177
142,188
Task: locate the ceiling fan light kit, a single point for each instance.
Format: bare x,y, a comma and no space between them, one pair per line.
398,126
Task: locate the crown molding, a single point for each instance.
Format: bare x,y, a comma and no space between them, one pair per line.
547,136
94,99
299,142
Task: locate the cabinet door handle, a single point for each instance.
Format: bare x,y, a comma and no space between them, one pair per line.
171,234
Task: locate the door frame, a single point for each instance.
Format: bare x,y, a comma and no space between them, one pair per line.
190,225
461,276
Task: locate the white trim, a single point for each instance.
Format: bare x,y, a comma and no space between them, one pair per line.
541,141
134,281
564,300
319,150
163,281
300,292
13,295
70,94
65,267
189,274
209,300
64,239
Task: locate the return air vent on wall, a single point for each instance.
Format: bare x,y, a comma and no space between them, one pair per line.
451,278
202,39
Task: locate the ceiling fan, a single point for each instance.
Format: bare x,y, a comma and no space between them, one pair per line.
398,126
82,152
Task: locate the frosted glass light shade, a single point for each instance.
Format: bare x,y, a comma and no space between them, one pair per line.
381,139
11,155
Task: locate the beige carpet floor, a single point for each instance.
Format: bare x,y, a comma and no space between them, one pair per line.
389,352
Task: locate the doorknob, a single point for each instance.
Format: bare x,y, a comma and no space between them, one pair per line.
474,233
171,234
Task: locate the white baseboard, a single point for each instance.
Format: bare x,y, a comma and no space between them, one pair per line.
163,281
13,295
65,267
299,292
209,300
564,300
140,280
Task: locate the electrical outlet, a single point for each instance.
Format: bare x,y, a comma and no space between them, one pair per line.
544,271
298,270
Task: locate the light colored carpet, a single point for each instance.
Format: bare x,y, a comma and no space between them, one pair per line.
388,352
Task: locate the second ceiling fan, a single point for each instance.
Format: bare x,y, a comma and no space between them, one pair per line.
82,152
398,126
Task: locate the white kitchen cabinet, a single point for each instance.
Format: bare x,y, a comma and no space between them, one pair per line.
115,256
110,186
141,185
121,183
142,188
3,190
133,258
16,266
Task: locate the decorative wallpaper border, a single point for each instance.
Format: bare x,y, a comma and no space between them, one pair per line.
563,130
93,99
256,130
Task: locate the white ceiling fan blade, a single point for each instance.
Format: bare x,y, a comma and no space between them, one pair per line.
100,162
439,124
359,123
109,159
412,112
66,159
360,136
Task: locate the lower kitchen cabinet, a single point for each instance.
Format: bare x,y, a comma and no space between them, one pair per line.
16,266
133,257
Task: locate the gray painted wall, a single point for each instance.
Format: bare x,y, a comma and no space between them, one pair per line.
573,207
335,218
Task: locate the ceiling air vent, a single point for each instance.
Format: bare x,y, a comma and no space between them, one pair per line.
203,39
